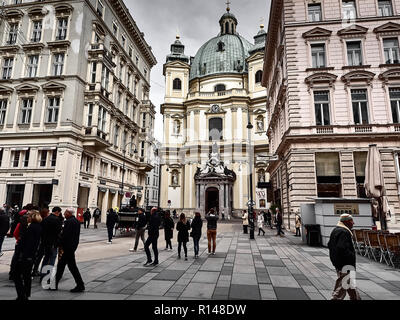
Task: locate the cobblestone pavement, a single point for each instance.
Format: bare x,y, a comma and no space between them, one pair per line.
266,268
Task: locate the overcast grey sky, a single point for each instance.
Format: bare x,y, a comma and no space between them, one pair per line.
196,21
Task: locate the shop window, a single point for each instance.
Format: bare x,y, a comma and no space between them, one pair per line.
360,160
328,175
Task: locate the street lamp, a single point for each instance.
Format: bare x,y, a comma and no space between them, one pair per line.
123,168
251,202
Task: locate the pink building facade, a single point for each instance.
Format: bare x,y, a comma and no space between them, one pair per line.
332,73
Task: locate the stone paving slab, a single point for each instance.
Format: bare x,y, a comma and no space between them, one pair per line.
244,292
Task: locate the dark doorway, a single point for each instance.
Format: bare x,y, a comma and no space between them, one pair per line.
42,194
15,194
212,199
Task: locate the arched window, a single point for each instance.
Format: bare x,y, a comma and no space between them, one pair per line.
215,129
227,27
177,84
258,76
219,87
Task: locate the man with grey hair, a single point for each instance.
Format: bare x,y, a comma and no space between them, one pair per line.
343,257
69,241
4,227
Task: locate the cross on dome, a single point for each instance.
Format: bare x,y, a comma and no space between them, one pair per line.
228,5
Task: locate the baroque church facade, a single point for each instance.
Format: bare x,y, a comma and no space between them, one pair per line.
209,101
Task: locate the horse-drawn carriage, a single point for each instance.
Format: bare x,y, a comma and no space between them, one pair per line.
127,219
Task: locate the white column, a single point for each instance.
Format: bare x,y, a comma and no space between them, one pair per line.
203,126
3,193
228,125
104,207
191,127
28,193
239,129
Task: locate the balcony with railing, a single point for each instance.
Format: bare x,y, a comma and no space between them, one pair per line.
345,129
217,94
93,137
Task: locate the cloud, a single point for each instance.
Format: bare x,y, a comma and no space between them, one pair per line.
196,21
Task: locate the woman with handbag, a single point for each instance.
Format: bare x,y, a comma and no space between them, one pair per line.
196,226
183,227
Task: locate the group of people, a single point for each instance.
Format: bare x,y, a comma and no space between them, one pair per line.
185,228
87,216
42,236
267,218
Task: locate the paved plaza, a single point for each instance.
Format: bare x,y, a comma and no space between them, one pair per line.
268,268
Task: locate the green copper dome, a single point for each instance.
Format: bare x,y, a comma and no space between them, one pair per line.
226,53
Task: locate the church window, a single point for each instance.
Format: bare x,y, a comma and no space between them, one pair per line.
177,127
258,76
215,129
219,87
177,84
221,46
227,27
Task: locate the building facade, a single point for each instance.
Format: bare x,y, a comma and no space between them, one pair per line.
209,100
152,188
75,109
332,72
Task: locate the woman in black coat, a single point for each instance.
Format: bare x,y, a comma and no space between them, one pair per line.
168,229
29,243
196,226
183,227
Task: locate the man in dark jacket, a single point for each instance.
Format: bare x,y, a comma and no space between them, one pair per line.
86,218
212,231
279,221
140,229
343,257
153,232
69,241
4,227
51,229
112,219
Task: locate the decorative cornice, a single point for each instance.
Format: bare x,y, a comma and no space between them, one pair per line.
389,75
317,33
389,28
352,31
358,75
320,77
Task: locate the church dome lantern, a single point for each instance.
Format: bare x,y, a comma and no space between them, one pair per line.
223,54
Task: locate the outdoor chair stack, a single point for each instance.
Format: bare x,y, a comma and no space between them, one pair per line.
380,245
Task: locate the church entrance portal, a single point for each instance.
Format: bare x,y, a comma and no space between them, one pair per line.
212,199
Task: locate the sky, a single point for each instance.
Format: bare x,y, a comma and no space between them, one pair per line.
195,21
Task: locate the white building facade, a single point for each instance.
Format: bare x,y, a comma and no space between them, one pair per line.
74,94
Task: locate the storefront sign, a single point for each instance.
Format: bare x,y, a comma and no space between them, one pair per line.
350,208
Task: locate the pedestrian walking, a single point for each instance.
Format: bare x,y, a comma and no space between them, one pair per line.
86,218
212,231
51,230
260,223
245,219
96,217
18,227
69,241
297,225
223,214
196,227
168,230
174,214
279,221
183,227
29,243
342,254
140,229
153,234
269,218
4,227
112,219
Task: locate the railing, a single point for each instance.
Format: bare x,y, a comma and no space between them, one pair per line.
363,129
237,92
324,130
397,128
345,129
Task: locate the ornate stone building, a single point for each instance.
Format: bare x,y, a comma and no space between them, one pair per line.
209,100
74,100
332,71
